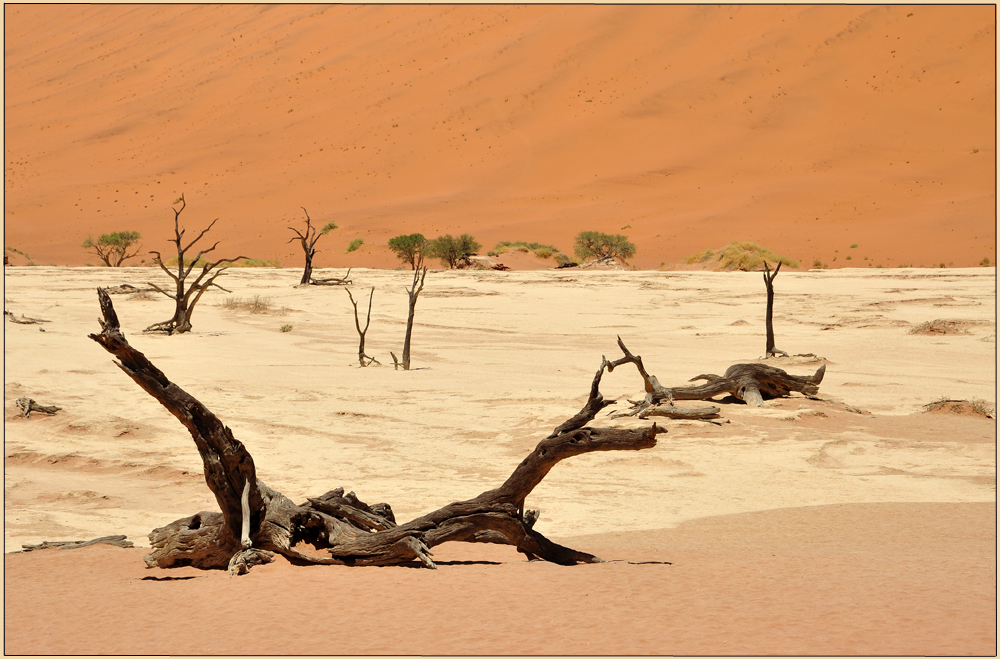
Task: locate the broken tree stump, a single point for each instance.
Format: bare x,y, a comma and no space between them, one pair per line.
28,405
256,522
751,383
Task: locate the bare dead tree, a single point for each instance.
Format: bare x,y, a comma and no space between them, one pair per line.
256,521
361,332
419,274
308,242
750,383
768,282
186,295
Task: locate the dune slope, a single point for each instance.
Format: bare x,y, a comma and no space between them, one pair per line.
806,128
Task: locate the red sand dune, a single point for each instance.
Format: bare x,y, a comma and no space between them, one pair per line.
805,128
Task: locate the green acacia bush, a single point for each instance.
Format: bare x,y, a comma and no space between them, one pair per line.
594,244
450,249
113,248
409,248
355,244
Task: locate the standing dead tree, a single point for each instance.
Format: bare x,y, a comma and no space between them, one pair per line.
751,383
769,283
256,521
308,242
419,274
361,332
186,295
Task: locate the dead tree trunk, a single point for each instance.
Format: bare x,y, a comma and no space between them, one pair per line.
257,521
751,383
308,242
419,274
361,332
186,296
768,282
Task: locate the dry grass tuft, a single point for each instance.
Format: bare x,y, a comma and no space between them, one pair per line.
940,326
974,406
741,255
254,305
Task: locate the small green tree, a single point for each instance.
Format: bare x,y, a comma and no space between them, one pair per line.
450,249
409,248
113,248
594,244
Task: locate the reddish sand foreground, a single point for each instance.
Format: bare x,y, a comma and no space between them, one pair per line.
859,579
808,129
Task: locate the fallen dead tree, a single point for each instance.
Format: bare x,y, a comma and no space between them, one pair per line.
332,281
24,320
114,540
256,522
751,383
28,405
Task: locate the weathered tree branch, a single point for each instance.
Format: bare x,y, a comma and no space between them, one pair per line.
256,522
750,383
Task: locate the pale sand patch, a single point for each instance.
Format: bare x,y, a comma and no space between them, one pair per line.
500,359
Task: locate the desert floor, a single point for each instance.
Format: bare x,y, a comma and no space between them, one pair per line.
854,524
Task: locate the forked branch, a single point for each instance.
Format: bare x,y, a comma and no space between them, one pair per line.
257,522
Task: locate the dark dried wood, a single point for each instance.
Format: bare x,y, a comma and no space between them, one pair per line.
363,359
333,281
769,326
28,405
344,529
419,274
186,295
751,383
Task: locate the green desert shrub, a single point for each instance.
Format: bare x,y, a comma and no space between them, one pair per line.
450,249
409,248
594,244
355,244
538,249
113,248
